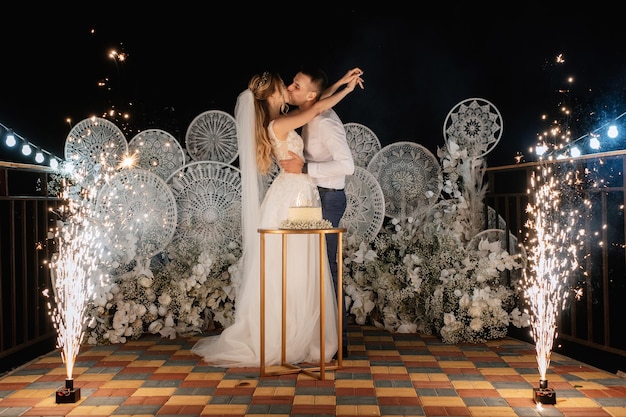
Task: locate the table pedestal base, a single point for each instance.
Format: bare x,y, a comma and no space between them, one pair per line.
288,368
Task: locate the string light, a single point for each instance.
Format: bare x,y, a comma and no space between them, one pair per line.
555,142
594,142
10,140
541,149
27,148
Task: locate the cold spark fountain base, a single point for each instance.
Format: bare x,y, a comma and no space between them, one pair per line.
543,394
69,394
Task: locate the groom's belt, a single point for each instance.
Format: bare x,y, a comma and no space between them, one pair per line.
328,190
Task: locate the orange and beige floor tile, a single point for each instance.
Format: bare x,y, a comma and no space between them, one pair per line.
385,374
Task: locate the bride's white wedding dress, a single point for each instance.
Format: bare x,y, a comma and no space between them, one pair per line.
239,344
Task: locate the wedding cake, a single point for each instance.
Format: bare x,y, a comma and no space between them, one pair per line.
305,214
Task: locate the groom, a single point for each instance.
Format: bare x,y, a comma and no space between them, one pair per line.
328,158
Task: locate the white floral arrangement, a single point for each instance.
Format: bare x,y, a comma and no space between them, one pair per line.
306,224
421,274
173,294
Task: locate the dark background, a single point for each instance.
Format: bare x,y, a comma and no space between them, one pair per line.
419,63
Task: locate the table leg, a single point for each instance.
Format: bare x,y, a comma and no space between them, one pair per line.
262,312
322,238
339,300
284,308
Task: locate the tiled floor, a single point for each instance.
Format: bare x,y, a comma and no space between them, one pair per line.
385,375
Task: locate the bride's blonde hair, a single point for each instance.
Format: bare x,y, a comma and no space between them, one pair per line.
262,87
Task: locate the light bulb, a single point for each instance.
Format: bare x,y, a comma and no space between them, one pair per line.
10,140
39,157
26,150
594,143
541,149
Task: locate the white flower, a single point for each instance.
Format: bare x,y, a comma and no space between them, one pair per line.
494,303
168,332
198,270
361,304
150,295
519,319
449,319
165,299
476,309
465,301
143,269
363,254
100,299
153,310
476,324
407,328
156,326
115,289
145,281
169,320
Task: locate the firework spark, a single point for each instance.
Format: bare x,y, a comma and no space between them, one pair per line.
72,268
551,257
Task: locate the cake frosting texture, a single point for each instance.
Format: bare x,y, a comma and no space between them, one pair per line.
304,214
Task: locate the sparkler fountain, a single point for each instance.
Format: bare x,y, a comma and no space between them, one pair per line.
551,257
72,268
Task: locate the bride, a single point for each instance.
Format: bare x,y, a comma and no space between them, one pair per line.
266,133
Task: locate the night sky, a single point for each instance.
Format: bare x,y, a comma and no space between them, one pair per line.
418,65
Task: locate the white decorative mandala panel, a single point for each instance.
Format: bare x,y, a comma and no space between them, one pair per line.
410,177
212,136
365,211
138,209
208,197
474,124
95,144
363,143
157,151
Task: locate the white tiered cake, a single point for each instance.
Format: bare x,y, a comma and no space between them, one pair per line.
305,217
304,214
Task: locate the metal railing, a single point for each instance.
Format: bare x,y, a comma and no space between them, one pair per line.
595,306
26,210
594,320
